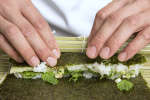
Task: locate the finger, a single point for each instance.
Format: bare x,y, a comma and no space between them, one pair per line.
104,13
112,23
8,49
33,38
42,27
92,50
126,29
142,39
15,37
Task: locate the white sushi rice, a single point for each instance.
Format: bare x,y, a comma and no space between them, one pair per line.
100,68
81,67
113,72
87,75
118,80
136,68
40,67
121,67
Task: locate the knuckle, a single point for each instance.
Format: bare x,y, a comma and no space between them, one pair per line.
113,18
40,24
27,30
27,55
51,43
11,30
99,38
6,5
101,15
98,41
131,21
114,43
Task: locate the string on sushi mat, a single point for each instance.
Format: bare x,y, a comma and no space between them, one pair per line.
83,42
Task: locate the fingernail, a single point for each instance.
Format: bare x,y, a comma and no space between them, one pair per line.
91,52
105,52
35,61
123,56
51,61
56,53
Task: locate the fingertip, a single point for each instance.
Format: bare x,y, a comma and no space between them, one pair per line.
105,53
91,52
51,61
122,56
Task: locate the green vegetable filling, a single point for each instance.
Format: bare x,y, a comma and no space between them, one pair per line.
75,75
49,77
29,75
125,85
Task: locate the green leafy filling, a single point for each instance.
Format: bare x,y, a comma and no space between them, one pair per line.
125,85
49,77
29,74
75,75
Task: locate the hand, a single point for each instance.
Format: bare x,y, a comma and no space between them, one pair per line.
115,23
25,35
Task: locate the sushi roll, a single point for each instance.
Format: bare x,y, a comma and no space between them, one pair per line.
75,66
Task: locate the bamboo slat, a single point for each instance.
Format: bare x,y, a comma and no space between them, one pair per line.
4,66
79,44
145,71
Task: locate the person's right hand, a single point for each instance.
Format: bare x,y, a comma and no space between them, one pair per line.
25,35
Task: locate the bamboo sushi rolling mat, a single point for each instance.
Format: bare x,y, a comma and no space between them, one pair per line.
4,65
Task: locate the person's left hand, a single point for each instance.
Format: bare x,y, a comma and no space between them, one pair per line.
114,24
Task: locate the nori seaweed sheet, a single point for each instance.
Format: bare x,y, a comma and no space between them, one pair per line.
81,58
92,89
